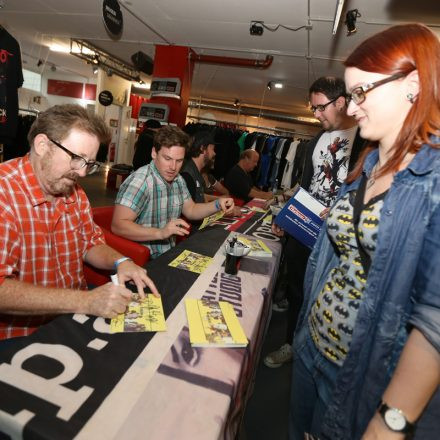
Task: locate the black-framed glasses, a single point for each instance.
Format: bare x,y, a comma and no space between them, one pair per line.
78,162
358,94
322,107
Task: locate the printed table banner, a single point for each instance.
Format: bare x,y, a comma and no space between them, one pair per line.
101,385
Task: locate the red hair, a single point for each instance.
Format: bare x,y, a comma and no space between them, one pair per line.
402,49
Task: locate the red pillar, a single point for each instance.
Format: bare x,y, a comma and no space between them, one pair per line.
174,62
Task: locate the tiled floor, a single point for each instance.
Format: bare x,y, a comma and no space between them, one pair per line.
267,410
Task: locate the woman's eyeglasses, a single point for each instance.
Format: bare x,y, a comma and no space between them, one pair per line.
77,162
358,94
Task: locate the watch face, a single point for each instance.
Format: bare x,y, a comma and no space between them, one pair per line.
394,419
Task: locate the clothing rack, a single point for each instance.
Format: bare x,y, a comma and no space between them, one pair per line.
258,127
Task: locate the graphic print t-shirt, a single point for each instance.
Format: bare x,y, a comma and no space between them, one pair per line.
11,78
330,164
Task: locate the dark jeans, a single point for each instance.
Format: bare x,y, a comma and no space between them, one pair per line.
313,380
296,256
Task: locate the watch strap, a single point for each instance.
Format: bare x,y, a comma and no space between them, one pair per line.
121,260
383,408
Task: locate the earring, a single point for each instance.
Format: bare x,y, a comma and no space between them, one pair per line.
411,98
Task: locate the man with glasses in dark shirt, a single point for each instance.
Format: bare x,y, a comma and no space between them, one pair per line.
47,230
321,166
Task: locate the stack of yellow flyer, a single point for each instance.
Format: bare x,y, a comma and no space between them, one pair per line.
258,247
191,261
143,316
213,324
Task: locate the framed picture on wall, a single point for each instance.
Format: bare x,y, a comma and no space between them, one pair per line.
113,122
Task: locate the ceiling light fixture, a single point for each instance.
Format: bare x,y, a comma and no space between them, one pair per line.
275,84
94,55
237,103
94,70
350,21
338,13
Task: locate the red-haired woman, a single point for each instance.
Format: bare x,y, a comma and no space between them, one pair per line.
366,349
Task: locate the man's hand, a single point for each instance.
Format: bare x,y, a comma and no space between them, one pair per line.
277,230
107,300
324,213
227,205
175,227
237,212
129,271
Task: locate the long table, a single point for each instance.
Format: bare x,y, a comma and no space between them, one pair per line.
73,379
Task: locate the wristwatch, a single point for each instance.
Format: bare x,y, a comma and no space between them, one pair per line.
121,260
395,419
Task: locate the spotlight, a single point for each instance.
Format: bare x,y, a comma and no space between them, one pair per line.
39,63
350,21
94,70
269,85
53,68
237,103
256,29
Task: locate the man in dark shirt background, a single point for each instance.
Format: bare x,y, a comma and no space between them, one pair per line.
144,144
239,182
200,155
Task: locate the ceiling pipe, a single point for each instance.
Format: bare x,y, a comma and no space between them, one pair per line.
250,111
231,61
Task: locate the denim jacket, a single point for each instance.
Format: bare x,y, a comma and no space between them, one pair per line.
402,290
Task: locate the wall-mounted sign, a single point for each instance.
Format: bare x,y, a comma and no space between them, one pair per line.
105,98
113,21
151,110
166,87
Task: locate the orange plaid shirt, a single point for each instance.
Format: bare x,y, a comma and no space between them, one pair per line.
41,242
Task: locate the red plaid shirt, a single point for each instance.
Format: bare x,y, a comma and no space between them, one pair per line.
41,242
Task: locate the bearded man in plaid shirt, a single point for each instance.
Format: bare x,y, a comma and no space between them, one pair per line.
47,230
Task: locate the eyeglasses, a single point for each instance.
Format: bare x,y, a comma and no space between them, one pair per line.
78,162
358,94
321,107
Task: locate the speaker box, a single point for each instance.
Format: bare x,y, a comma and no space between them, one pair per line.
142,62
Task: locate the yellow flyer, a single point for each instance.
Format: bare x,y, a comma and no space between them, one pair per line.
141,316
191,261
211,219
258,247
213,324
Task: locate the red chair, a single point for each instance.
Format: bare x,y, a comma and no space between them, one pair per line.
137,252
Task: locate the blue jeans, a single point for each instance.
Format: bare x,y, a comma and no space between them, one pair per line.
313,379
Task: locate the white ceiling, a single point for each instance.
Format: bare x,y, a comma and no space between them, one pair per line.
216,28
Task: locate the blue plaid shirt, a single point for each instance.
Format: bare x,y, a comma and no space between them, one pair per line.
154,201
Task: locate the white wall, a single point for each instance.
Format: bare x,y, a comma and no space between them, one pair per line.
26,96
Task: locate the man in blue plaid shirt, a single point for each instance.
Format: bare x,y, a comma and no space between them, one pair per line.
152,199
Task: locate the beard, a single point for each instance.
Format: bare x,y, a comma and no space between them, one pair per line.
56,186
209,164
